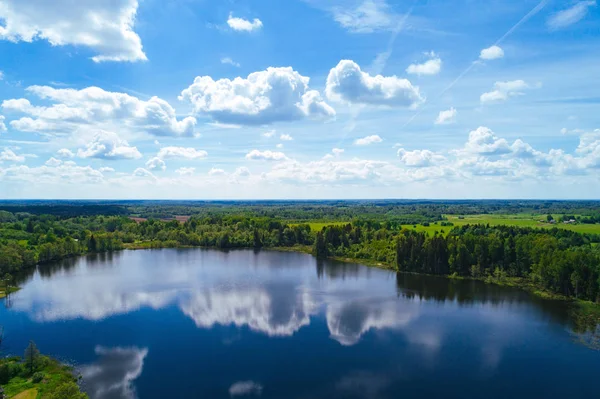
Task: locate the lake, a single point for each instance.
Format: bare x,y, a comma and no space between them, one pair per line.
196,323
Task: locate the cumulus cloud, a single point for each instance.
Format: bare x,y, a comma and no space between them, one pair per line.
216,172
269,133
245,388
484,141
348,83
286,137
243,25
108,145
181,152
65,153
571,15
64,173
419,158
9,156
105,27
503,91
53,162
274,95
256,155
446,117
337,151
106,169
229,61
185,171
491,53
156,163
368,140
433,66
2,125
73,110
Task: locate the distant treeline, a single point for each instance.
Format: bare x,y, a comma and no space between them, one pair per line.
405,211
562,261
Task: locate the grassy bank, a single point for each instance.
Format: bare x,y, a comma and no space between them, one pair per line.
50,379
10,291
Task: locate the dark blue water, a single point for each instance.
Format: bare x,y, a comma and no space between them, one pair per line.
208,324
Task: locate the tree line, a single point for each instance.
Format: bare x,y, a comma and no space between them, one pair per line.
559,260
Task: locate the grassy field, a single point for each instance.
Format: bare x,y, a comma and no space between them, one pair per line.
54,375
520,220
28,394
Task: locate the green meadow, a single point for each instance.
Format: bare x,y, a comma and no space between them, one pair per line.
520,220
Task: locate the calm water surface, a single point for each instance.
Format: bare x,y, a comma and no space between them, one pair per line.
208,324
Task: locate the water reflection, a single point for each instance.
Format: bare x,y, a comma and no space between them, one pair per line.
265,323
275,310
112,376
348,321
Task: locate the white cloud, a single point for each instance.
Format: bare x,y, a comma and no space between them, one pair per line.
446,117
337,151
274,95
141,172
286,137
185,171
216,172
280,145
243,25
366,17
419,158
66,173
269,133
245,388
432,66
483,141
106,27
53,162
65,153
9,156
156,163
1,75
570,16
73,110
229,61
256,155
368,140
348,83
503,91
108,145
491,53
106,169
2,125
181,152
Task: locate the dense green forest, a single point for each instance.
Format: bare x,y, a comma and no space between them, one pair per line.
558,260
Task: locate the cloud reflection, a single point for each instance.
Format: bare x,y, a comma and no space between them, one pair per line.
349,321
275,310
112,376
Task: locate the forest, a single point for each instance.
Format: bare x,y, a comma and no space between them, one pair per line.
558,260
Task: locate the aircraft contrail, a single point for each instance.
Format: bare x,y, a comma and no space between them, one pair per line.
530,14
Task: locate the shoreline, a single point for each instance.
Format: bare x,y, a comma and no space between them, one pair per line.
515,282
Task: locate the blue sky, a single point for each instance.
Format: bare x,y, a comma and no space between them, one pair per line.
299,99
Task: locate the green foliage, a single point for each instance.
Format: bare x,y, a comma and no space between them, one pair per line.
37,377
67,390
52,380
31,357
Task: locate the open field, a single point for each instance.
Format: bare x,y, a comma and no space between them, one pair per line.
520,220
